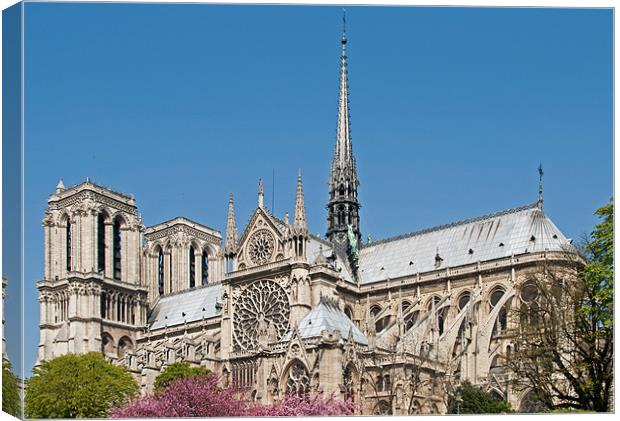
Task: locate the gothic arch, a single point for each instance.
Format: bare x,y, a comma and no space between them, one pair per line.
119,216
107,343
104,210
348,311
295,377
382,408
124,344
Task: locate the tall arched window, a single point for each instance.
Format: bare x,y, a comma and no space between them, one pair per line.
101,242
205,267
68,244
170,270
192,267
117,249
160,271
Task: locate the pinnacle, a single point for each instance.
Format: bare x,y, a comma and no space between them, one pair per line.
231,228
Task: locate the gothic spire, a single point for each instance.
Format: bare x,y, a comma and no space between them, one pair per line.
231,229
343,155
299,220
343,206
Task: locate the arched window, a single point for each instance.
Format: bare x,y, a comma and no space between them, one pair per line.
411,319
68,244
101,242
205,267
496,295
160,271
383,408
192,267
463,300
380,387
298,382
348,312
170,269
117,248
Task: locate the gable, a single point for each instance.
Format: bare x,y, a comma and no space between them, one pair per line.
262,241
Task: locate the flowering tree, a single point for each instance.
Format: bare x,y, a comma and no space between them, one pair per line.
202,397
304,406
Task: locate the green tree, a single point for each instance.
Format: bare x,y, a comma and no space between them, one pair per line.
10,391
564,349
470,399
175,372
78,386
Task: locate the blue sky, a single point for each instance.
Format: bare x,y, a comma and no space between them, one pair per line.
452,110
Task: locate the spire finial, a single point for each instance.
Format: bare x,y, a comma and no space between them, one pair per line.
344,25
231,228
540,186
261,195
60,186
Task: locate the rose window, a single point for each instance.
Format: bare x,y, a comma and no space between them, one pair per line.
263,306
261,248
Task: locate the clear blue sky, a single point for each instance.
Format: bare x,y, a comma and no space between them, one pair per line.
452,110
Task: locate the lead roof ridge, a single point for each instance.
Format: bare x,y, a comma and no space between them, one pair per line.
452,224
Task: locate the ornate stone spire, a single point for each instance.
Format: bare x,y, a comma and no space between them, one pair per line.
261,195
343,205
231,229
299,220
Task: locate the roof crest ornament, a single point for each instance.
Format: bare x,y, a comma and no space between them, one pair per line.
540,186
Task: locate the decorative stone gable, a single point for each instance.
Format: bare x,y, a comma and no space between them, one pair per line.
262,241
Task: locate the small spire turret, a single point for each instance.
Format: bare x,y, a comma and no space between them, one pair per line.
230,246
299,220
60,186
261,195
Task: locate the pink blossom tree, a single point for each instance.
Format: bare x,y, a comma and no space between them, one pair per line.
203,397
305,405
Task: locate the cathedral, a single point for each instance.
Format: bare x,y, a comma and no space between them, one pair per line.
395,325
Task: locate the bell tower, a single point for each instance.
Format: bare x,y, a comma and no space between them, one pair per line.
343,206
91,297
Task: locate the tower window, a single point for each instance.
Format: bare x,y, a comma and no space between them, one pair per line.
117,249
192,268
170,271
160,271
205,267
101,243
68,245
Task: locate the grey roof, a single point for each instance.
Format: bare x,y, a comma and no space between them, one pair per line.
314,247
515,231
327,316
170,308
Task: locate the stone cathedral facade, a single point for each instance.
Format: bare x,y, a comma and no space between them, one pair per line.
392,324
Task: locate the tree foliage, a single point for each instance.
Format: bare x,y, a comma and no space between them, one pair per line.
11,403
175,372
564,339
474,400
201,396
78,386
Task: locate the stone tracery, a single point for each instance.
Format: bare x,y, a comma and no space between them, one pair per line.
263,304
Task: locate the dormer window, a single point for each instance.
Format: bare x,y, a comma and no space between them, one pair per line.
532,238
